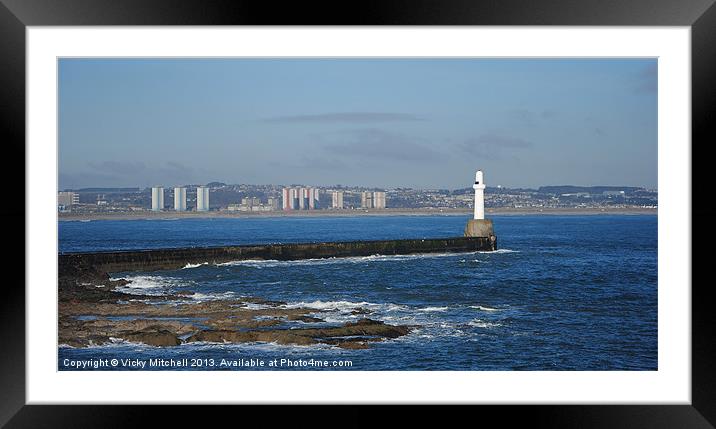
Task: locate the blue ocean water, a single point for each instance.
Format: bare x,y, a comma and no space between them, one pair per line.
562,293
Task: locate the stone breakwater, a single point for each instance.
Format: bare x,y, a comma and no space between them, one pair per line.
171,259
93,312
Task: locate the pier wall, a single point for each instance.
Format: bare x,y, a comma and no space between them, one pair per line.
70,264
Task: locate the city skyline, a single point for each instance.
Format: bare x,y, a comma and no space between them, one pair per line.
341,186
418,123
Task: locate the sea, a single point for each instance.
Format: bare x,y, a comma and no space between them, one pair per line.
561,293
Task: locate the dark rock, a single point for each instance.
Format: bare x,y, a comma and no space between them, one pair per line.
307,319
160,338
364,328
253,300
280,336
365,322
353,345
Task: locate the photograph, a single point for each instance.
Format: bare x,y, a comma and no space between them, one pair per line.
357,214
231,204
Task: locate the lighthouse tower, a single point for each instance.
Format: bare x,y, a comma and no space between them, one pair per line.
478,226
479,188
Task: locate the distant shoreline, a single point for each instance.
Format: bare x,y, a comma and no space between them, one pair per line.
352,213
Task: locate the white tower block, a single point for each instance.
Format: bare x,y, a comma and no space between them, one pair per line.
180,199
157,198
479,188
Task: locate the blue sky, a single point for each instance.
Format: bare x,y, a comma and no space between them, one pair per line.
423,123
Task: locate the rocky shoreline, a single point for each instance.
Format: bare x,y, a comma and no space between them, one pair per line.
92,312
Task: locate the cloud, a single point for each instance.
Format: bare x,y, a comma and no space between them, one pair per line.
492,146
176,168
548,114
523,117
349,117
379,145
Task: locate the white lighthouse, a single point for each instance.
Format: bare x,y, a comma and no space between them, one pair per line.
478,226
479,188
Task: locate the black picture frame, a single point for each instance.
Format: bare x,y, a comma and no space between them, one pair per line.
16,15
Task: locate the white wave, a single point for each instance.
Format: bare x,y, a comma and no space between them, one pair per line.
211,296
331,305
483,324
342,311
119,343
499,251
188,266
269,263
483,308
395,307
147,282
258,346
432,309
150,285
338,318
346,306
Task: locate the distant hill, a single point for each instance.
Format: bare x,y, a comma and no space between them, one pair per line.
107,190
492,190
215,185
569,189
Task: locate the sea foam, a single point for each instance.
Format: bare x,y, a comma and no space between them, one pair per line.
269,263
188,266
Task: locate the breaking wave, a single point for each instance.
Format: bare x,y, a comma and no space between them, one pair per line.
334,305
268,263
483,324
188,266
432,309
211,296
483,308
151,285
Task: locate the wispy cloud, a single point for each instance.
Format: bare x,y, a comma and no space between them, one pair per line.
379,145
522,117
177,169
548,114
348,117
492,146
